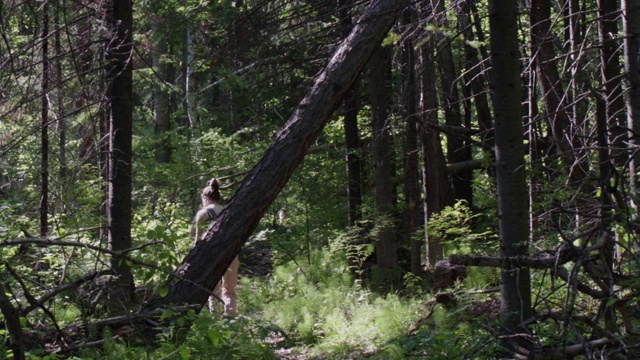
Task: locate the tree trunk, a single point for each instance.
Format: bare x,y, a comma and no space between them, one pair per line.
351,132
608,12
161,98
44,129
188,98
120,88
13,325
510,166
631,25
457,148
411,175
383,169
61,118
435,182
205,264
606,168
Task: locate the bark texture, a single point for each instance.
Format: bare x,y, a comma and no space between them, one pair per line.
510,166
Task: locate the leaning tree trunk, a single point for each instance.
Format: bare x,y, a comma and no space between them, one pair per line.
205,264
510,166
120,88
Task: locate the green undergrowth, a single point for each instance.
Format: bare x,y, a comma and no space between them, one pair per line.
317,309
324,310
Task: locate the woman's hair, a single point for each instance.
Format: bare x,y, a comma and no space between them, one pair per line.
211,193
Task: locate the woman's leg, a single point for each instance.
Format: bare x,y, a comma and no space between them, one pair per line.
229,284
226,290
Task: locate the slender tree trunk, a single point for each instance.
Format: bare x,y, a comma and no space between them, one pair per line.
458,149
161,98
351,132
44,130
187,73
605,167
383,170
631,25
62,123
436,186
513,217
205,264
411,173
610,69
119,57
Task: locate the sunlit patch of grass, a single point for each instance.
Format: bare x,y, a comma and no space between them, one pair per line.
328,310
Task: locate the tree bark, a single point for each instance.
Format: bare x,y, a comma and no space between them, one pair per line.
436,186
205,264
120,87
608,12
631,26
12,322
44,129
412,174
510,165
161,98
383,167
457,148
351,132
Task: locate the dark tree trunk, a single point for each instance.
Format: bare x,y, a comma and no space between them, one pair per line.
606,168
351,132
205,264
608,13
458,150
513,220
411,172
120,88
13,324
436,186
383,168
631,24
44,130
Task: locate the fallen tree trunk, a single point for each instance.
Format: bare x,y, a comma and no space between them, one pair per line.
515,262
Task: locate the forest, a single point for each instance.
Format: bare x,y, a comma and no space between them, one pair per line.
421,179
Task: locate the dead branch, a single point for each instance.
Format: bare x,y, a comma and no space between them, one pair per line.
569,351
514,262
46,297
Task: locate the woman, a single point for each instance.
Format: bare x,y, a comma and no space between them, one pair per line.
211,207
